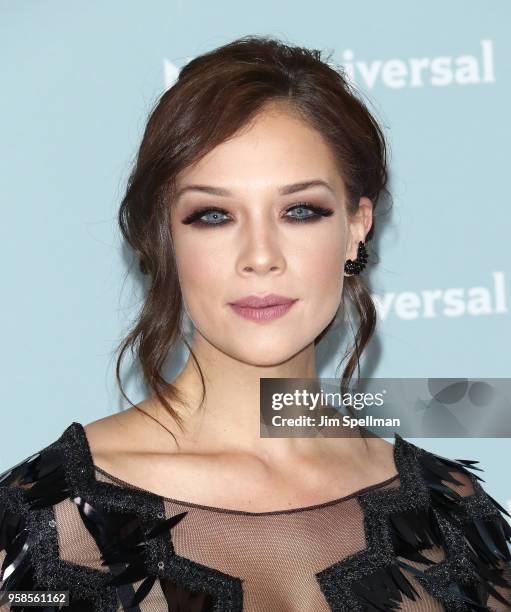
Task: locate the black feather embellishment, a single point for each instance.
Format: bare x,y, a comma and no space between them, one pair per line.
11,524
488,539
133,548
122,540
489,552
437,469
467,594
472,597
182,600
38,481
415,530
17,572
383,589
108,528
487,536
42,478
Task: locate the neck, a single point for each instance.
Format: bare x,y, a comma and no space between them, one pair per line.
229,419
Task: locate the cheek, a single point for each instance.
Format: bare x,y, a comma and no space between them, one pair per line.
202,268
322,268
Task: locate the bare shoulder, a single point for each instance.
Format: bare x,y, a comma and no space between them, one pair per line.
370,461
111,433
382,457
133,447
127,435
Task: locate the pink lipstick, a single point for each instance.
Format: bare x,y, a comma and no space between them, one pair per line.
262,309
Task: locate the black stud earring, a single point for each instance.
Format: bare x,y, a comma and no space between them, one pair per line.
356,266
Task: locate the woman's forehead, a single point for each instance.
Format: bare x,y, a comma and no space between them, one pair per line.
272,154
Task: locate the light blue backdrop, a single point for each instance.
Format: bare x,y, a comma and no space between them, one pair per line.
78,80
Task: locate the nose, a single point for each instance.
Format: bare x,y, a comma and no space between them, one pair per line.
261,250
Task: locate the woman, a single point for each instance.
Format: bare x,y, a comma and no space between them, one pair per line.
249,209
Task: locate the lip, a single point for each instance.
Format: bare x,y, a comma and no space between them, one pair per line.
263,309
255,301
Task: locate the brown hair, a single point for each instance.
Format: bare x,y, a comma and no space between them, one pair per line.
216,94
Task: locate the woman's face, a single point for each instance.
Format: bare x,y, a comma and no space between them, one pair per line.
251,246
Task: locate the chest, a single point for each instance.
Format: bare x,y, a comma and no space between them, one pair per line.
290,561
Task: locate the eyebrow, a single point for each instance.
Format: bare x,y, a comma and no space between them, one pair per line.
283,190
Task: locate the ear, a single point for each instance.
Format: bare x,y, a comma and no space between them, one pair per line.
359,225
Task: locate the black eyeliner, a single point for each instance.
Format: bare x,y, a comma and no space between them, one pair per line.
201,211
319,210
195,217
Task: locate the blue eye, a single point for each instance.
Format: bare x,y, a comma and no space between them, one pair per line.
309,213
196,218
214,217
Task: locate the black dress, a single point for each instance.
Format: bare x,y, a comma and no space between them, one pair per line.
428,538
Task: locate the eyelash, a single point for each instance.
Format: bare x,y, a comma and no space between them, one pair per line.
194,218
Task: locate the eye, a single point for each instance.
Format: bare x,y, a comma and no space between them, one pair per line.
214,214
308,212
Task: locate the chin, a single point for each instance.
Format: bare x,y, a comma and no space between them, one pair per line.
267,354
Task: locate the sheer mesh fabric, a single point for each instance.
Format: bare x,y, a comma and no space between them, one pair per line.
276,554
282,559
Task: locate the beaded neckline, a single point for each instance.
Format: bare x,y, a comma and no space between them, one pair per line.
81,437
